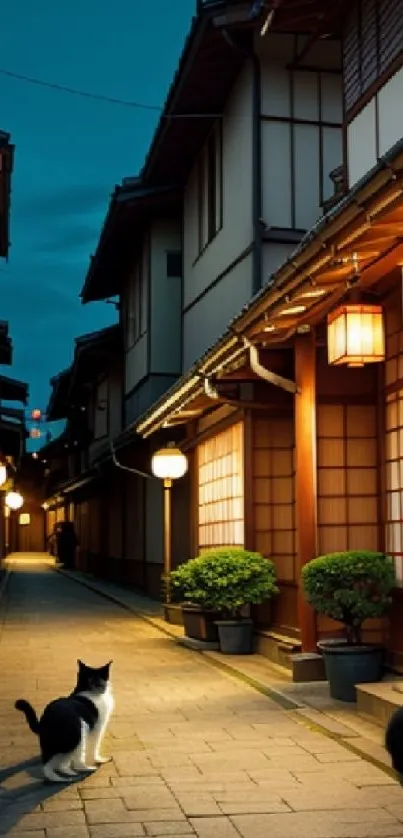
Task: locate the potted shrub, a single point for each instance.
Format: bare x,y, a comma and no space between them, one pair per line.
350,587
188,585
227,580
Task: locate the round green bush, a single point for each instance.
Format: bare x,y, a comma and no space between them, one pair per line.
350,587
226,580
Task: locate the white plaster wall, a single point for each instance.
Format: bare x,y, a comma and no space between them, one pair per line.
115,400
207,319
236,233
294,169
361,143
390,111
136,366
274,254
165,300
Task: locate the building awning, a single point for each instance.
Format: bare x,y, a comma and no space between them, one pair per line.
357,243
12,390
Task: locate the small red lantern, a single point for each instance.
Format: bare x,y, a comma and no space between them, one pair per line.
35,433
36,414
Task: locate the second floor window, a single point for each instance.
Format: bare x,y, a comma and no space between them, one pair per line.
210,188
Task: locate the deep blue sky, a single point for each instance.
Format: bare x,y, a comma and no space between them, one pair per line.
70,152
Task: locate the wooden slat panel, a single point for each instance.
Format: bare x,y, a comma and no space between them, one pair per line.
273,492
372,40
347,477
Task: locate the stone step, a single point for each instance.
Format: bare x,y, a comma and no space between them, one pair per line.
379,701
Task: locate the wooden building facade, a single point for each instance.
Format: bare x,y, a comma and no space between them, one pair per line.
224,306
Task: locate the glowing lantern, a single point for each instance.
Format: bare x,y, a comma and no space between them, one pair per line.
24,519
35,433
355,335
3,474
36,414
169,463
14,500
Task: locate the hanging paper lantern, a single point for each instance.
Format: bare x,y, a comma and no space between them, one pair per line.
355,335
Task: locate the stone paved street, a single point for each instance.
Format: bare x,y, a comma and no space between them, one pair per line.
195,751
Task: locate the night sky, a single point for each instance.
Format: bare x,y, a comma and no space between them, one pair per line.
70,153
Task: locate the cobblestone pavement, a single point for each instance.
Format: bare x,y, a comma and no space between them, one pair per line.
195,751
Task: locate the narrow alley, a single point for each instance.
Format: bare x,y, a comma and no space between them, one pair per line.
195,751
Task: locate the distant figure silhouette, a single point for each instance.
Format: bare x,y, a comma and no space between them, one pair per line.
67,543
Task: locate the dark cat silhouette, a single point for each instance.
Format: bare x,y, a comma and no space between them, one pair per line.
394,741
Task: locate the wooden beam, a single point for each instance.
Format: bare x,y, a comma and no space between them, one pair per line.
305,477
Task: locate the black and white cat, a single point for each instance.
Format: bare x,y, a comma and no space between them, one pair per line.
394,741
71,729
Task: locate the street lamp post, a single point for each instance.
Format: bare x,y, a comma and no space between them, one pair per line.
168,464
13,501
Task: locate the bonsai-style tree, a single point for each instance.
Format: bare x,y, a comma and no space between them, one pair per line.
350,587
225,580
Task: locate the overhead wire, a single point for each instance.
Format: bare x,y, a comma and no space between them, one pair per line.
112,100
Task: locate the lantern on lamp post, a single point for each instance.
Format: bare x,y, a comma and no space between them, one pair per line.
14,500
168,464
355,335
3,474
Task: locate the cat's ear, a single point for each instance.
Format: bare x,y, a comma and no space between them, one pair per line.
80,664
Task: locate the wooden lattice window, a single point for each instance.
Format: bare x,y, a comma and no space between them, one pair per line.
221,490
347,478
273,493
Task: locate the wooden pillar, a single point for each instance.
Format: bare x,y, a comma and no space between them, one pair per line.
305,477
249,529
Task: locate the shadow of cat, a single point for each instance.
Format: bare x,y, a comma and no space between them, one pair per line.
17,802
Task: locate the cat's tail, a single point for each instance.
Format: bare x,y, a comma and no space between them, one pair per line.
29,713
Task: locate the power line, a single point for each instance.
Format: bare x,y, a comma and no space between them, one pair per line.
111,100
76,92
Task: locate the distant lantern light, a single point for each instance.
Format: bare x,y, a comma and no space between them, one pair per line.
3,474
35,433
355,335
14,500
36,414
24,519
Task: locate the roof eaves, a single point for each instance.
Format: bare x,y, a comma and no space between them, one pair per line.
193,37
275,281
19,389
131,191
57,383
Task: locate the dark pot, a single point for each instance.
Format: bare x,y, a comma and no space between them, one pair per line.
200,624
346,666
236,636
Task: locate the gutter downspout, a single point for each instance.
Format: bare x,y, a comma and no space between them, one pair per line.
256,160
